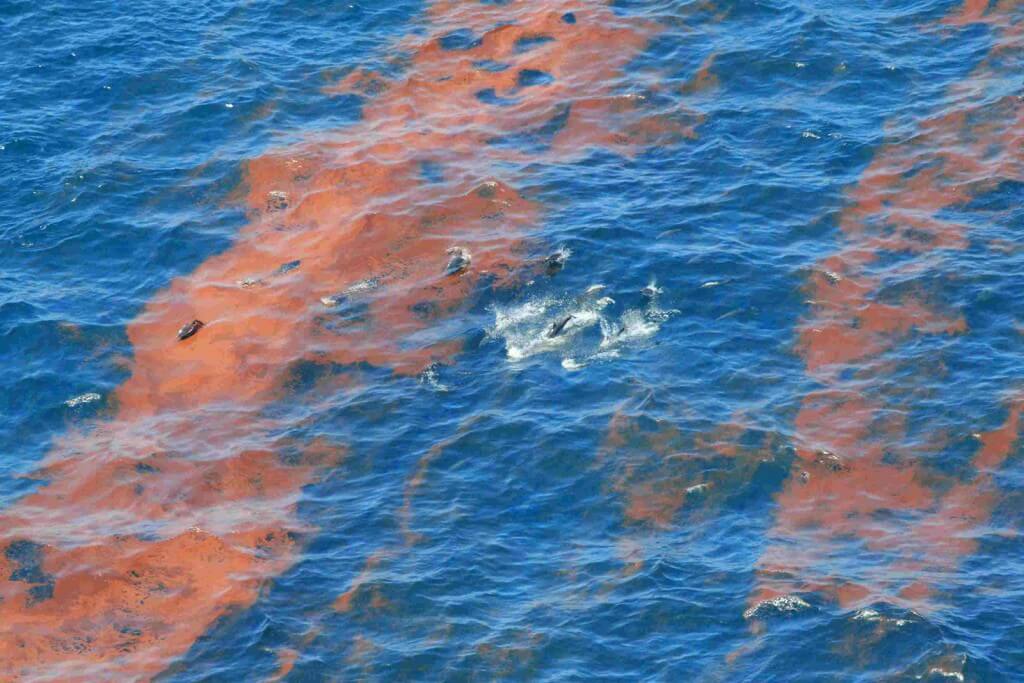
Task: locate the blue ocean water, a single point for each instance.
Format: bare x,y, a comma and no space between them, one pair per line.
553,488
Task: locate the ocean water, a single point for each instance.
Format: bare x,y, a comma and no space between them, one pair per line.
561,340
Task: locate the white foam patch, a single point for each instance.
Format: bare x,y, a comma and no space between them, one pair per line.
91,397
563,253
430,378
506,319
876,617
527,328
784,604
538,340
363,286
633,325
949,666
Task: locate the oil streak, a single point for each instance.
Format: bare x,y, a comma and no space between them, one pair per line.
880,501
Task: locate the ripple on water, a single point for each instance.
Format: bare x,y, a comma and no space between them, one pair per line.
405,446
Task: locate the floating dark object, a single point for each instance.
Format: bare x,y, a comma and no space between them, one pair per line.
569,18
557,327
189,329
652,290
554,263
277,201
459,261
830,461
424,310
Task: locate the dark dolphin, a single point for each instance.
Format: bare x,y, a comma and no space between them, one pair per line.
189,329
459,261
557,327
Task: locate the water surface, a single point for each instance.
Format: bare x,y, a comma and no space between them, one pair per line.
553,340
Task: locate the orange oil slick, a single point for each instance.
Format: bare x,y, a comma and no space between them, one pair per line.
658,468
584,59
286,659
853,497
179,509
664,472
419,477
344,602
511,660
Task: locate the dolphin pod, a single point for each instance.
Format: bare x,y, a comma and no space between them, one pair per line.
177,509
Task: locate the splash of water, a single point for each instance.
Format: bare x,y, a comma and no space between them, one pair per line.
179,508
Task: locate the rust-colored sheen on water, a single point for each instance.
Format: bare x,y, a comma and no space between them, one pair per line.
154,524
861,489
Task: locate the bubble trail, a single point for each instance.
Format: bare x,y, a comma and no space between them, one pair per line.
177,510
867,520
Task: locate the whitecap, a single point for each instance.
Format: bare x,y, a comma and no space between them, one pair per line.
363,285
873,616
430,378
91,397
698,488
784,604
